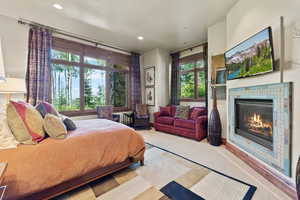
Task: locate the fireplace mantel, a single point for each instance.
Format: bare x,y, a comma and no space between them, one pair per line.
277,157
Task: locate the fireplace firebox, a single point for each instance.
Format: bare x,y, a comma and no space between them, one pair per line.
254,120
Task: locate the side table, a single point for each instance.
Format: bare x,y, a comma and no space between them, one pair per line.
3,166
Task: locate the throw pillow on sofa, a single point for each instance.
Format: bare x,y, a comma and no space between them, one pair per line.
182,112
45,108
54,127
197,112
25,122
165,111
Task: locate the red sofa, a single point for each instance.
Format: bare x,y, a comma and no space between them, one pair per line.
195,127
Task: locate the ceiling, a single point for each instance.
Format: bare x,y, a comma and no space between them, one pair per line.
168,24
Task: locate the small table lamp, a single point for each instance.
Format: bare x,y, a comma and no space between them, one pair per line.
2,69
9,86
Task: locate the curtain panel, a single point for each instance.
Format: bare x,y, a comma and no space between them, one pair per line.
38,75
175,93
135,79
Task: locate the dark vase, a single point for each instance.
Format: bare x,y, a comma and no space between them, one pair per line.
298,178
214,124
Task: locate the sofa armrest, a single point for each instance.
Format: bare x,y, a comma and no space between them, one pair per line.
201,127
156,115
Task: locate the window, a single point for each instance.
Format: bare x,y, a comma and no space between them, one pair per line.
192,75
81,82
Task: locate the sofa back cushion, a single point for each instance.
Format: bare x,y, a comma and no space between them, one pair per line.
196,112
45,108
173,111
25,122
54,127
165,111
182,112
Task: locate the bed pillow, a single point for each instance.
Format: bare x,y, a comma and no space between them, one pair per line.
25,122
7,140
182,112
45,108
70,125
165,111
54,127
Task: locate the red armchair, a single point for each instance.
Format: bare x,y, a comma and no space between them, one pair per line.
195,127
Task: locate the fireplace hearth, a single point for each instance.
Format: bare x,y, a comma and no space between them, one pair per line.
254,120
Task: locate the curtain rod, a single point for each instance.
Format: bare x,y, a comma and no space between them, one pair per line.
189,48
69,34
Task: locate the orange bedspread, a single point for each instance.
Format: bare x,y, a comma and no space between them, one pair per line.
94,144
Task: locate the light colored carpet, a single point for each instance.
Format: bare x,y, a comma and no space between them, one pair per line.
150,182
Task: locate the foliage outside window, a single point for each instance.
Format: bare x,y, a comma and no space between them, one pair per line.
192,79
80,83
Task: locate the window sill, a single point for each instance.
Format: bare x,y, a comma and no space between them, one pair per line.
76,113
192,100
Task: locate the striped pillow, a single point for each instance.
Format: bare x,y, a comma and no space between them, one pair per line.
25,122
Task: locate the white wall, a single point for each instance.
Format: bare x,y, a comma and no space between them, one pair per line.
249,17
14,45
217,46
160,59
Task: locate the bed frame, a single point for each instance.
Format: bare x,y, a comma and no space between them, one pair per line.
80,181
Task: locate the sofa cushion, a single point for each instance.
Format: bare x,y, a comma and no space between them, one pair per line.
25,122
182,123
196,112
165,120
182,112
165,111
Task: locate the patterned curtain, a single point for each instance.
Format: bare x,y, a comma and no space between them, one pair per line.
175,93
135,79
38,75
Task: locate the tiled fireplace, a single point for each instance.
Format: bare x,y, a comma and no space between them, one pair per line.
259,123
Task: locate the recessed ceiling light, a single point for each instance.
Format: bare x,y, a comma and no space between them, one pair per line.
140,38
57,6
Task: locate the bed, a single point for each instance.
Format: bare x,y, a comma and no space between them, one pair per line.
96,148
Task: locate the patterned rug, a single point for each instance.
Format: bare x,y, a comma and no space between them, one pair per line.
165,176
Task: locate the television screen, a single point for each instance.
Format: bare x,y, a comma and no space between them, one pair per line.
251,57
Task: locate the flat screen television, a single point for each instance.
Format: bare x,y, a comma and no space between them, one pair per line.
252,57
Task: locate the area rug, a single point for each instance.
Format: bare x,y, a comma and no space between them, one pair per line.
165,176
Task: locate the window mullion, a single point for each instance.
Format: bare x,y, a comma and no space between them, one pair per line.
81,75
195,81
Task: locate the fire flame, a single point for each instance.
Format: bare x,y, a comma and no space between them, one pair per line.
256,123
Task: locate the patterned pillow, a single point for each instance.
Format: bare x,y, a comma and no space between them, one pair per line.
25,122
165,111
197,112
54,127
45,108
182,112
141,110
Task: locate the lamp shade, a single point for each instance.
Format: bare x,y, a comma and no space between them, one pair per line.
2,69
13,86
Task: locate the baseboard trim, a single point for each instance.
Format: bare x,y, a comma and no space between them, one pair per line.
283,184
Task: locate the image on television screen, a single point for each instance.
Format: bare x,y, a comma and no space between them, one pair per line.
251,57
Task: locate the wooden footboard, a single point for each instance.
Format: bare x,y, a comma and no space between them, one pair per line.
80,181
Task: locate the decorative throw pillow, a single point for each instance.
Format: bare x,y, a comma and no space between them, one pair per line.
197,112
45,108
165,111
7,140
70,125
54,127
25,122
141,110
182,112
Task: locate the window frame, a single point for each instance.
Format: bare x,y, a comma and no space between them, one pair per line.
82,111
193,60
